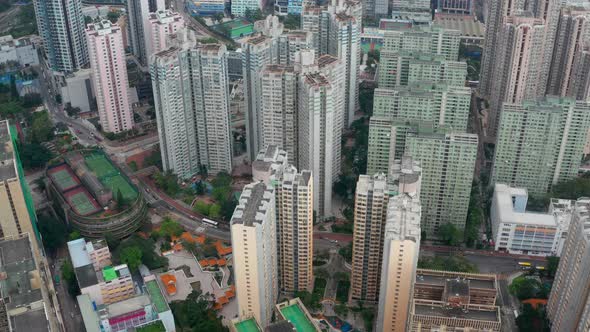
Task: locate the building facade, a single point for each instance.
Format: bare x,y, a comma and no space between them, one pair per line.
569,301
138,13
540,143
159,27
319,136
517,75
254,243
61,24
191,95
294,211
519,232
107,60
370,214
279,102
448,164
568,76
401,246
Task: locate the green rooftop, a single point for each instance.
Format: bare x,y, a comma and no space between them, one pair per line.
156,296
109,273
297,317
248,325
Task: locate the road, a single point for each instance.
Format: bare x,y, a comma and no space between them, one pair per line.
69,307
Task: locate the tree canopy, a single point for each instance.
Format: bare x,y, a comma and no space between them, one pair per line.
450,234
131,256
450,263
53,231
195,314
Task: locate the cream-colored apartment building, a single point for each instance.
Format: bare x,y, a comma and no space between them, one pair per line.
294,212
254,244
401,246
370,211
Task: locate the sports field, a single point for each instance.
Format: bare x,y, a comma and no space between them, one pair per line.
116,183
81,202
100,165
297,317
109,176
63,177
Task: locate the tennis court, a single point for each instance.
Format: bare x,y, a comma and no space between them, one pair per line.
297,317
63,178
81,202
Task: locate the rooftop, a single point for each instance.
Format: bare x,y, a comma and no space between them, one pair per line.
7,165
296,316
439,278
247,325
89,315
127,306
86,276
282,326
253,205
437,309
469,26
20,282
30,321
78,253
507,212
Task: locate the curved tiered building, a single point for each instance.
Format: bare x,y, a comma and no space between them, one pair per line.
94,196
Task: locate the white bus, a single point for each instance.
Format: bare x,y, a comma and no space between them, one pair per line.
210,222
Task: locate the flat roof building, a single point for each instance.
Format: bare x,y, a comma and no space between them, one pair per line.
520,232
454,300
22,303
254,244
295,313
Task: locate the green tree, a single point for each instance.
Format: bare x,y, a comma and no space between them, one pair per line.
322,273
133,166
199,188
120,199
525,287
218,17
450,263
74,235
170,228
41,128
292,22
34,155
215,211
132,257
228,207
195,314
149,257
68,274
53,232
552,264
346,252
113,16
450,234
10,108
341,310
202,208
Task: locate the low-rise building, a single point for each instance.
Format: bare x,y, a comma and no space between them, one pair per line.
105,285
454,301
520,232
77,91
20,50
206,7
472,30
22,290
131,314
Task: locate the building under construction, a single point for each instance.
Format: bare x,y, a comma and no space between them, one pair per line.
454,301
